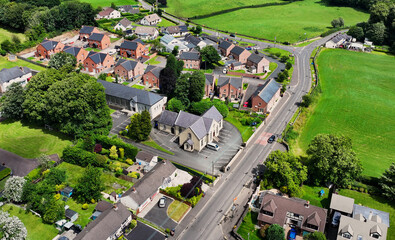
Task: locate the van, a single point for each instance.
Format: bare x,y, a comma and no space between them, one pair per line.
213,146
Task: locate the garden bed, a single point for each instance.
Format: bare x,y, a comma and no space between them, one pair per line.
243,121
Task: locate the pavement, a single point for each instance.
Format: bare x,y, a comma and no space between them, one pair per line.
159,215
144,232
119,121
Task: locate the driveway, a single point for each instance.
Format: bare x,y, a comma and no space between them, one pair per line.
159,215
119,121
144,232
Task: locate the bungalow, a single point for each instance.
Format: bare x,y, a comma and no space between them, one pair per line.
195,41
257,63
209,85
230,87
265,97
169,42
48,47
146,160
70,214
97,62
16,74
123,25
67,191
151,19
129,9
108,225
79,53
86,32
191,60
108,13
145,190
146,33
176,31
133,99
133,49
225,47
151,76
193,132
99,40
129,69
338,40
240,54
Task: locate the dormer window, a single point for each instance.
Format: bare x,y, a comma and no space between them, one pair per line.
346,235
375,235
267,213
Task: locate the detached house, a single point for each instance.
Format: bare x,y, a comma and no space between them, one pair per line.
99,40
225,47
123,25
240,54
108,13
79,53
129,69
230,87
146,33
132,49
133,99
151,76
194,132
195,41
151,19
97,62
86,32
265,97
209,85
147,160
176,31
47,48
191,60
129,9
9,76
257,64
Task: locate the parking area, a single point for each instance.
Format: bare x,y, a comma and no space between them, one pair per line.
144,232
119,121
159,215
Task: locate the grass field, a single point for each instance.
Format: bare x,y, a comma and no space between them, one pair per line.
153,144
4,63
36,229
6,34
153,61
107,3
292,22
177,210
234,118
248,226
357,101
29,141
165,23
83,215
311,193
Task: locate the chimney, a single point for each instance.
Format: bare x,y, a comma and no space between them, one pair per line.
307,204
370,216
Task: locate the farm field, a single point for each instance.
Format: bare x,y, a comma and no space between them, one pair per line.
7,34
357,101
4,63
107,3
289,23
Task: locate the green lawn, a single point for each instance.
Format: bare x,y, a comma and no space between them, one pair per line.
245,131
153,144
4,63
165,23
83,215
6,34
29,141
194,70
293,22
138,86
376,203
311,193
248,226
107,3
153,61
277,50
126,83
109,79
36,229
114,39
357,101
92,49
177,210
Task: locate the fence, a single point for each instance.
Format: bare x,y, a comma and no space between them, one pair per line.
33,62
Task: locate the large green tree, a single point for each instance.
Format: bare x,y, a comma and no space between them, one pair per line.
90,185
332,160
11,102
356,32
387,183
196,86
210,55
140,126
315,236
146,125
181,91
175,105
169,75
376,33
275,232
62,60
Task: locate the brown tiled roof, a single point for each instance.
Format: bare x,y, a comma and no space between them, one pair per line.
145,156
269,206
103,206
106,12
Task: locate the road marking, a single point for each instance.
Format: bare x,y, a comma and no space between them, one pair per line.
262,139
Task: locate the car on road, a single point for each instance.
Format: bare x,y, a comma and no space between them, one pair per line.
292,234
162,202
248,48
224,70
213,146
232,35
271,139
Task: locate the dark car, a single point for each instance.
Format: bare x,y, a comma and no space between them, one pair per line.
232,35
271,139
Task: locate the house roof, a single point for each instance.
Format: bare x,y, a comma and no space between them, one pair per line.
127,64
183,28
106,11
96,37
128,93
360,229
234,81
103,206
105,224
255,58
150,183
172,30
185,119
49,44
237,50
145,156
72,50
225,44
97,57
154,70
281,207
168,118
125,22
152,17
167,38
86,29
145,30
132,45
209,79
192,39
138,40
67,190
341,203
213,113
372,214
7,74
267,91
69,213
200,128
190,56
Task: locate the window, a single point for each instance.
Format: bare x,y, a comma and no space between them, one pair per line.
189,135
267,213
93,65
346,235
375,235
259,104
312,226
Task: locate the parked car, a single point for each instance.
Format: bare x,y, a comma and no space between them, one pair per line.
271,139
245,104
336,219
292,234
248,48
213,146
162,202
224,70
232,35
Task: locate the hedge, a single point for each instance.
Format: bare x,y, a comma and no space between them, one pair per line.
130,151
194,172
79,157
5,173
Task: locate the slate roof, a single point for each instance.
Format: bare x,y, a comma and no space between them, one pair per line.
199,128
372,214
154,69
267,91
128,93
190,56
129,9
185,119
96,37
105,224
125,22
86,29
145,156
103,206
225,44
138,40
168,118
69,213
255,58
129,45
7,74
360,229
145,30
192,39
152,17
72,50
234,81
97,57
341,203
237,50
150,183
213,113
49,44
209,79
127,64
183,28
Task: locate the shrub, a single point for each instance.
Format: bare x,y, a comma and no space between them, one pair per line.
167,230
262,231
121,153
78,156
104,151
361,189
133,224
113,153
130,151
57,196
93,201
85,206
129,161
98,148
101,160
284,189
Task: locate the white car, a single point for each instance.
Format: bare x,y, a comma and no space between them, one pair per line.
162,202
213,146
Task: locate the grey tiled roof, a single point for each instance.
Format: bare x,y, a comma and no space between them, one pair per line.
209,79
185,119
225,44
138,40
125,22
97,57
234,81
128,93
190,56
199,128
70,213
154,69
192,39
213,113
255,58
72,50
168,118
372,213
7,74
145,156
103,206
173,29
129,45
267,91
49,44
96,37
86,29
127,64
183,28
237,50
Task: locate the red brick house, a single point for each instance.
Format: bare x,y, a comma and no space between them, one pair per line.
265,97
129,69
191,60
225,47
97,62
98,40
133,49
257,64
79,53
151,76
240,54
48,47
86,32
230,87
209,85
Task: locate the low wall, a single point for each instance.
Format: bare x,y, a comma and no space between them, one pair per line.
33,62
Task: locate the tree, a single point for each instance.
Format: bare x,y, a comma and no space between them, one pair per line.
175,105
210,54
44,161
356,32
335,23
90,185
387,183
288,65
284,58
332,160
379,12
56,176
197,84
54,211
315,236
306,100
11,227
113,152
13,189
11,102
113,6
182,88
169,75
341,22
145,124
376,33
275,232
62,60
284,169
175,51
